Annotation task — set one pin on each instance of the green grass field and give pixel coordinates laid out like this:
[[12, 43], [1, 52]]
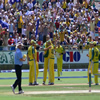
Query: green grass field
[[65, 84]]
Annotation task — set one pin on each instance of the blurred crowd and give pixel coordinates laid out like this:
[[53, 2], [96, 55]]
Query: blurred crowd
[[72, 23]]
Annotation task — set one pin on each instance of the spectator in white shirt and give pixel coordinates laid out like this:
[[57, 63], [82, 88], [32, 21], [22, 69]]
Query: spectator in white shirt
[[49, 5], [70, 4], [1, 5], [37, 5], [58, 4], [72, 40], [30, 5], [23, 31]]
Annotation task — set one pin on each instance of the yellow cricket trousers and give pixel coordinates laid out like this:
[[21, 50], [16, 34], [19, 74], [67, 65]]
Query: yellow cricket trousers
[[95, 72], [51, 70], [45, 69], [59, 64], [32, 75], [89, 69]]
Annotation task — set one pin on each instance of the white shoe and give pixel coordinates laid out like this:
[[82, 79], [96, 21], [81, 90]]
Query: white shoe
[[13, 89], [21, 92]]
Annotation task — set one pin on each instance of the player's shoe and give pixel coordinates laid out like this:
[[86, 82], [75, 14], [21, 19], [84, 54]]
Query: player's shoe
[[21, 92], [58, 78], [51, 84], [30, 84], [43, 83], [96, 84], [13, 90], [35, 83]]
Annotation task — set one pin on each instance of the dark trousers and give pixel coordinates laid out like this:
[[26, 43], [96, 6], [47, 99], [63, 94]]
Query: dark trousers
[[44, 38], [18, 75], [19, 31]]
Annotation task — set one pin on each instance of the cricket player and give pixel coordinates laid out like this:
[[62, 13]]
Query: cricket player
[[49, 62], [31, 58], [90, 55], [59, 50], [37, 66], [95, 60]]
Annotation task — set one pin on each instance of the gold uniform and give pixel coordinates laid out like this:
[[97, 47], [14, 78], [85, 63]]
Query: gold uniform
[[32, 75], [59, 59], [49, 64], [90, 64], [95, 59]]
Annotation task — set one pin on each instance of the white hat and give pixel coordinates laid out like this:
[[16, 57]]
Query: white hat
[[18, 44]]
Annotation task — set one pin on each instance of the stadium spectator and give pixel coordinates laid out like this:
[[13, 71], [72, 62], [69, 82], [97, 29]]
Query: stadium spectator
[[64, 5], [55, 17], [1, 5], [25, 43], [70, 4], [19, 7], [1, 41], [30, 5], [10, 40], [57, 24], [58, 4], [45, 32], [37, 5], [11, 28], [5, 40]]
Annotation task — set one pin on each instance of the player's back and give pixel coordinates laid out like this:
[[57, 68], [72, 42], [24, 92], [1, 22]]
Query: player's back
[[96, 54], [30, 52]]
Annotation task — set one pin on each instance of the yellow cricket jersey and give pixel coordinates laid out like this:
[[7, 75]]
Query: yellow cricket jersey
[[30, 52], [51, 52], [95, 54], [45, 46], [90, 53], [36, 54], [62, 35], [60, 49]]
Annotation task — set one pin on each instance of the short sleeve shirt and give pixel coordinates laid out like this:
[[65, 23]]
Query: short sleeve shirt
[[18, 56]]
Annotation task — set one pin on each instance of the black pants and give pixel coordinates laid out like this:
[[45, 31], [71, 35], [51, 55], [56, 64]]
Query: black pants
[[18, 75], [19, 31], [44, 38]]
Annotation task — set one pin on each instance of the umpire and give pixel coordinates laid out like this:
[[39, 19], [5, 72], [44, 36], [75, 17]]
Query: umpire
[[18, 62]]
